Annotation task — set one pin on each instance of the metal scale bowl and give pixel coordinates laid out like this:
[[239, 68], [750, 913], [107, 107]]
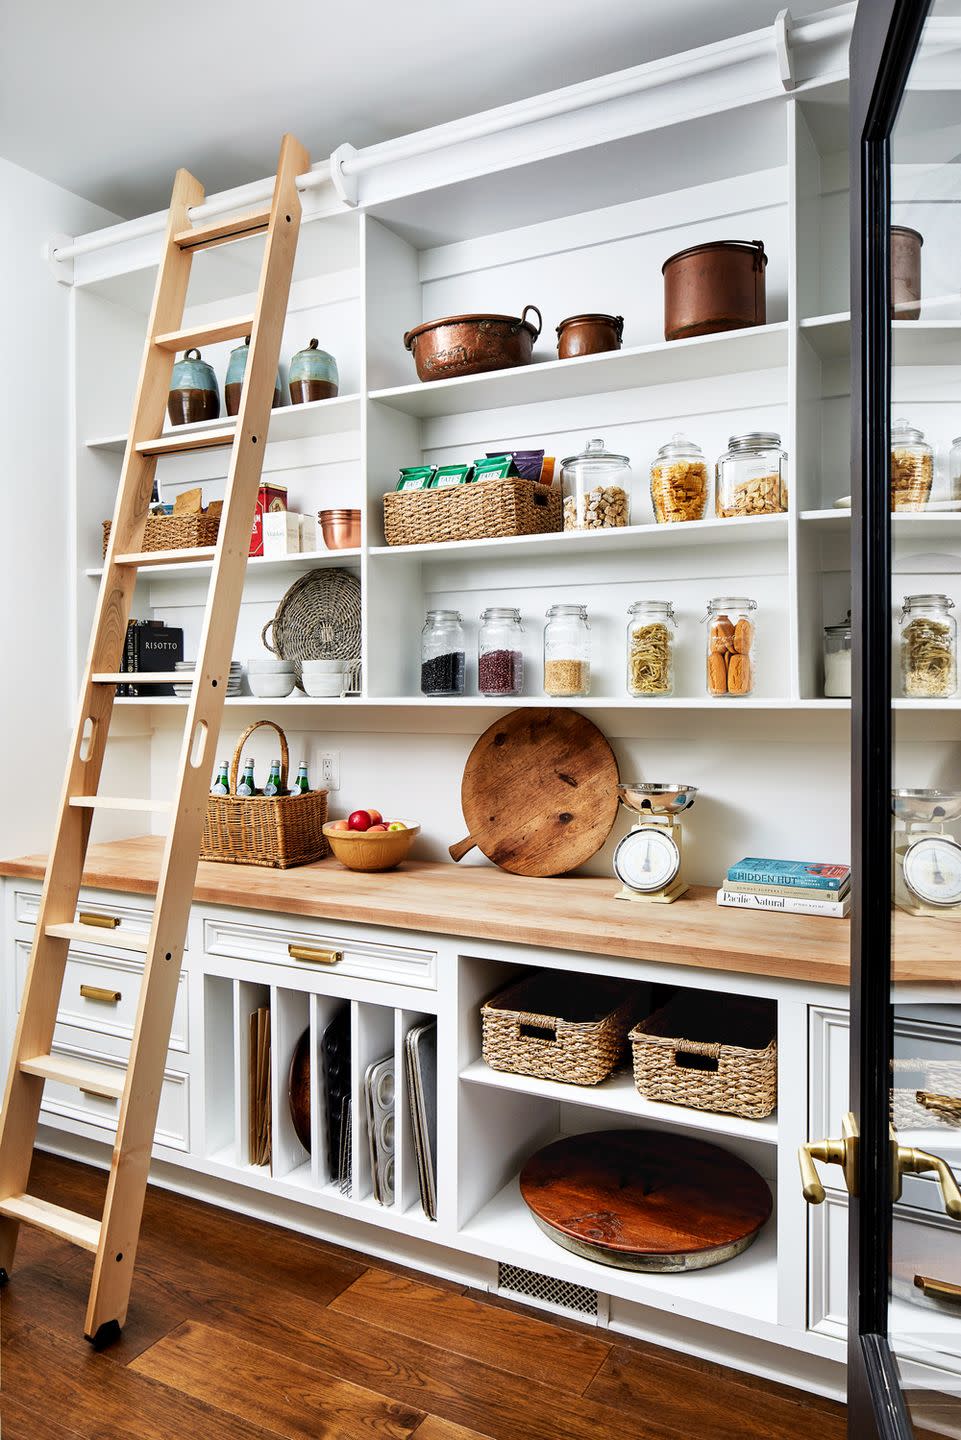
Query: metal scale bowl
[[927, 861], [647, 861]]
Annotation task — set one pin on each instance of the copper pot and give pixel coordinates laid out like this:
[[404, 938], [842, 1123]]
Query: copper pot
[[341, 529], [905, 273], [712, 287], [470, 344], [588, 335]]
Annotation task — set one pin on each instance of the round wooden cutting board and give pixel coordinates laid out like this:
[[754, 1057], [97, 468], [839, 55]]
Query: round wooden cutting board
[[539, 792], [645, 1199], [298, 1089]]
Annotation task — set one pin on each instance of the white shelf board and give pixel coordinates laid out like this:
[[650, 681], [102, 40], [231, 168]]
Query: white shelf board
[[925, 341], [620, 1095], [830, 335], [709, 532], [906, 524], [762, 347], [284, 567], [287, 422], [622, 703]]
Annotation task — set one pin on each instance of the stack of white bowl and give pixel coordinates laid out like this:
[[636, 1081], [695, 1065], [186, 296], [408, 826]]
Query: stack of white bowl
[[323, 679], [271, 678], [235, 679]]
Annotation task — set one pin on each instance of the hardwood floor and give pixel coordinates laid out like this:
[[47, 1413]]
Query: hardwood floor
[[241, 1331]]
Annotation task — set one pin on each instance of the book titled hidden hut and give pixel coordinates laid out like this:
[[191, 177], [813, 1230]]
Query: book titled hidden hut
[[150, 646], [791, 874]]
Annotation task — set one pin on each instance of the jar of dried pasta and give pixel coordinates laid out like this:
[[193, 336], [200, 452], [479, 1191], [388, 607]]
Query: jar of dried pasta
[[651, 632], [929, 647], [912, 467], [679, 481], [730, 645], [751, 476]]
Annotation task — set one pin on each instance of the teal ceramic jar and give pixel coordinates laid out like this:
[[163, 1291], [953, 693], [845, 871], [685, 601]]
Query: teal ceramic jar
[[313, 375], [193, 391], [234, 383]]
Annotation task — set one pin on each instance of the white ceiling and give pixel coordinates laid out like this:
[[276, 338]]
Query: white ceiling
[[109, 97]]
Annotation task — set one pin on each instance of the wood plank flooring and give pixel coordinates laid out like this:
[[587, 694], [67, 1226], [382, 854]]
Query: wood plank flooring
[[242, 1331]]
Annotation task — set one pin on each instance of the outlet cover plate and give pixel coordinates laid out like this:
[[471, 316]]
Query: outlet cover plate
[[330, 769]]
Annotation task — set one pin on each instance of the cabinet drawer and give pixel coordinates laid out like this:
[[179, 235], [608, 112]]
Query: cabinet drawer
[[335, 953], [101, 993], [135, 916], [173, 1116]]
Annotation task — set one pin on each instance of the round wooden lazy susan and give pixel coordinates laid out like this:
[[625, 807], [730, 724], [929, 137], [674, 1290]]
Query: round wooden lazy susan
[[645, 1200]]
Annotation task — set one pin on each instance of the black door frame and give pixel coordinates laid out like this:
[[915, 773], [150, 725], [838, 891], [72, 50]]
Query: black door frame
[[883, 45]]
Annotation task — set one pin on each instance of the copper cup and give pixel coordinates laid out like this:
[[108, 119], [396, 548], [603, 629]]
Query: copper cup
[[341, 529]]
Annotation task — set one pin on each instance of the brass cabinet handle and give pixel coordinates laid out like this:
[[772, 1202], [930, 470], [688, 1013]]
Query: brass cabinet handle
[[919, 1162], [319, 957], [102, 922], [843, 1152], [97, 992], [938, 1289], [951, 1104], [96, 1095]]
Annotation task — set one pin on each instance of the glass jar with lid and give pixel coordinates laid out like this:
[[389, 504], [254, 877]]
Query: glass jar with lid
[[651, 632], [442, 654], [730, 645], [837, 660], [679, 481], [912, 467], [928, 638], [567, 651], [954, 471], [597, 487], [500, 654], [751, 476]]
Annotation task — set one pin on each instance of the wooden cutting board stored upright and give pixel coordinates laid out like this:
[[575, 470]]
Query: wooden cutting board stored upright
[[539, 792]]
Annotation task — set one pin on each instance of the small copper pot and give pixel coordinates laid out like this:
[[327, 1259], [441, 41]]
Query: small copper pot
[[588, 335], [340, 528], [471, 344], [905, 273], [712, 287]]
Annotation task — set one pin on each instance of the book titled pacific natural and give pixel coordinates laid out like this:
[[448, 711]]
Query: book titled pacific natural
[[744, 900]]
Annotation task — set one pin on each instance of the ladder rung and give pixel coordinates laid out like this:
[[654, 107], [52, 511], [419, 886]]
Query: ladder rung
[[222, 231], [149, 558], [205, 334], [67, 1224], [119, 939], [144, 677], [105, 1080], [120, 802], [170, 444]]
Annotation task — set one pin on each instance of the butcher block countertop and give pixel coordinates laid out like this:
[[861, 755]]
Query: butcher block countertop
[[569, 913]]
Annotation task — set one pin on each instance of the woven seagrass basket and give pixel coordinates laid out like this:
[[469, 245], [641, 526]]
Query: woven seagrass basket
[[710, 1056], [319, 619], [559, 1027], [174, 532], [483, 510], [275, 831]]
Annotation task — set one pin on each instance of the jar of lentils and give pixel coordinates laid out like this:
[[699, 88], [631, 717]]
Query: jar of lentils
[[442, 654], [751, 476], [912, 467], [567, 651], [500, 656], [929, 647], [651, 631], [679, 481]]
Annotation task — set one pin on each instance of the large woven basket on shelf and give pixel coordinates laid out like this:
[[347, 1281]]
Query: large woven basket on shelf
[[695, 1051], [558, 1027], [483, 510], [318, 619], [274, 831], [174, 532]]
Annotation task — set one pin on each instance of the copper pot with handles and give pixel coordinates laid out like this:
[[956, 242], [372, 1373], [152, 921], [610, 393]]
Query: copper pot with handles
[[715, 286], [461, 345]]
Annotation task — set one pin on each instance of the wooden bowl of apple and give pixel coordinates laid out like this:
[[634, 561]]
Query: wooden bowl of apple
[[366, 841]]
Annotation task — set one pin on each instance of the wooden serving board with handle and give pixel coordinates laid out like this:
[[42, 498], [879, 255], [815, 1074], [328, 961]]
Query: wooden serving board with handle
[[539, 792]]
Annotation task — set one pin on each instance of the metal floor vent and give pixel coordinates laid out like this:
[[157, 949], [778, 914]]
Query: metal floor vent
[[547, 1292]]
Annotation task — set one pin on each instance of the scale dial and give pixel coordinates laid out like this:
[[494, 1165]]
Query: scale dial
[[647, 859], [932, 869]]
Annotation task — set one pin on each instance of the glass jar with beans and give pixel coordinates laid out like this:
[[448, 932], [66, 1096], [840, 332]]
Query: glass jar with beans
[[500, 654], [442, 654], [730, 646]]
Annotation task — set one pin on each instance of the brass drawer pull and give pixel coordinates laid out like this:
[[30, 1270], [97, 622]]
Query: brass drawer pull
[[102, 922], [320, 957], [949, 1104], [97, 992], [938, 1289], [96, 1095]]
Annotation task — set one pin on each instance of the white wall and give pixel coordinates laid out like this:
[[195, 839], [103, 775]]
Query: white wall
[[35, 424]]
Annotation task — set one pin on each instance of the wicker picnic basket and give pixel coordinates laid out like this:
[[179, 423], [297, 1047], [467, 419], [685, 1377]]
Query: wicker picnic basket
[[720, 1057], [174, 532], [274, 831], [571, 1028], [483, 510]]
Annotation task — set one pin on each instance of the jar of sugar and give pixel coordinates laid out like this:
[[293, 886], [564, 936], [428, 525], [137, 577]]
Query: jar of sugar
[[837, 660]]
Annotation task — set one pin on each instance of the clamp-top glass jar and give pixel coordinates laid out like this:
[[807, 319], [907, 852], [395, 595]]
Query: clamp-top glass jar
[[567, 651], [912, 467], [730, 645], [500, 654], [442, 656], [597, 486], [679, 481], [929, 647], [651, 632], [751, 476]]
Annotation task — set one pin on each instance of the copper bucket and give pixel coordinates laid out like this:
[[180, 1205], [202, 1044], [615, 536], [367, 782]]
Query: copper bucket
[[905, 273], [715, 286]]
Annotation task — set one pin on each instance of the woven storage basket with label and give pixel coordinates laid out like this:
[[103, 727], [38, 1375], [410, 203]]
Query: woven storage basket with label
[[712, 1055], [483, 510], [559, 1027], [275, 831], [174, 532]]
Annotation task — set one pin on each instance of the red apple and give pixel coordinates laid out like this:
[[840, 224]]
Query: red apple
[[359, 820], [376, 818], [338, 825], [381, 828], [397, 825]]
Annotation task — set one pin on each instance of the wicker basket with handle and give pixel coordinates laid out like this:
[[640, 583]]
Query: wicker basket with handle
[[483, 510], [174, 532], [695, 1051], [559, 1027], [274, 831]]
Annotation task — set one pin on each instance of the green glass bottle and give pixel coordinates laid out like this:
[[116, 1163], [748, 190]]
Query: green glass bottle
[[302, 784], [221, 785], [247, 786], [273, 786]]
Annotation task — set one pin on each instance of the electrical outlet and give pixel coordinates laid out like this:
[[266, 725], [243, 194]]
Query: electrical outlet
[[330, 770]]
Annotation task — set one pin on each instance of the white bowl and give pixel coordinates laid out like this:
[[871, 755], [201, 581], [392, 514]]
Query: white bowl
[[324, 687], [323, 667], [271, 687], [269, 665]]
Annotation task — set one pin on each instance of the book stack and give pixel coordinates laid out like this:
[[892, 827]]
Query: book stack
[[801, 886], [150, 645]]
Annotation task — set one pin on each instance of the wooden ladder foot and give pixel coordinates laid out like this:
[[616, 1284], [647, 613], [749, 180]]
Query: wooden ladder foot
[[107, 1334]]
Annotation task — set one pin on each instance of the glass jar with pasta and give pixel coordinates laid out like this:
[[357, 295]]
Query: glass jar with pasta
[[912, 467], [651, 632], [679, 481], [929, 647], [730, 646]]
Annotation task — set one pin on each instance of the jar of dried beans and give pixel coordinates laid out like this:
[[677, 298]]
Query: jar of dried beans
[[679, 481], [567, 651], [651, 632], [730, 645], [929, 647], [442, 654], [500, 655], [751, 476], [597, 486], [912, 467]]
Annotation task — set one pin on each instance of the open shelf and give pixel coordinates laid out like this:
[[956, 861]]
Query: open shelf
[[283, 566], [623, 703], [287, 422], [928, 341], [942, 525]]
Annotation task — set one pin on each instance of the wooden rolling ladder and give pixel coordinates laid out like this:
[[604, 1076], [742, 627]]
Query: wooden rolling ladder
[[113, 1238]]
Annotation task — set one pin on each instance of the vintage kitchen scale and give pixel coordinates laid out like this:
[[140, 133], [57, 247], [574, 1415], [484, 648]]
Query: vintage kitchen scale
[[647, 861], [927, 860]]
